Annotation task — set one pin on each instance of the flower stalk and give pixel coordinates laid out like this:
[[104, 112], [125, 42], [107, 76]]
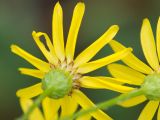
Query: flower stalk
[[37, 102], [107, 104]]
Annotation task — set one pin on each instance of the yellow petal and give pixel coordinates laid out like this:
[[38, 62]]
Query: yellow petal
[[73, 32], [50, 108], [158, 38], [32, 72], [131, 60], [30, 92], [91, 66], [92, 50], [126, 73], [43, 66], [95, 83], [57, 31], [134, 101], [50, 55], [113, 80], [68, 106], [36, 114], [85, 103], [158, 115], [148, 44], [85, 117], [149, 110]]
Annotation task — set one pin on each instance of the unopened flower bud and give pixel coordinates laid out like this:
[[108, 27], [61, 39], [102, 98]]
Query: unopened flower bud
[[60, 81], [151, 86]]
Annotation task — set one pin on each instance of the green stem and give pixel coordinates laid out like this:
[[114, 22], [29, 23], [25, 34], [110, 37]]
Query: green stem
[[107, 104], [35, 104]]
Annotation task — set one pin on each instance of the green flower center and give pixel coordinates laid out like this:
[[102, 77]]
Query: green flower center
[[151, 86], [59, 81]]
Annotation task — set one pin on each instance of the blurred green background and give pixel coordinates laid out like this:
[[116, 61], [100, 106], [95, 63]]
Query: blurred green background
[[18, 18]]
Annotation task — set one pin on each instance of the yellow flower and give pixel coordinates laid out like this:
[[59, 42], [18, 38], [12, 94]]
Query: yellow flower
[[48, 110], [138, 71], [36, 114], [62, 57]]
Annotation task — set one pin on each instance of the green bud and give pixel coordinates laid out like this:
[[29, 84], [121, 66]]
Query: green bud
[[151, 86], [60, 81]]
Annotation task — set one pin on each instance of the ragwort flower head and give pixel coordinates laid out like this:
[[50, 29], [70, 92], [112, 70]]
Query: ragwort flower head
[[61, 62], [141, 75]]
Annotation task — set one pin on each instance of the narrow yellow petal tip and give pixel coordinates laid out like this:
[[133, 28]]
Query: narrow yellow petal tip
[[33, 33], [17, 93], [58, 5], [115, 28], [145, 21], [13, 47], [81, 4], [20, 70], [145, 24]]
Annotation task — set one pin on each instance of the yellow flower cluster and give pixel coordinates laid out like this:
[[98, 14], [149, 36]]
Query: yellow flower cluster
[[136, 71], [62, 58]]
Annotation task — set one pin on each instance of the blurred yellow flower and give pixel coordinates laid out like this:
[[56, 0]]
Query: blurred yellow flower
[[138, 70], [36, 114], [62, 57]]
